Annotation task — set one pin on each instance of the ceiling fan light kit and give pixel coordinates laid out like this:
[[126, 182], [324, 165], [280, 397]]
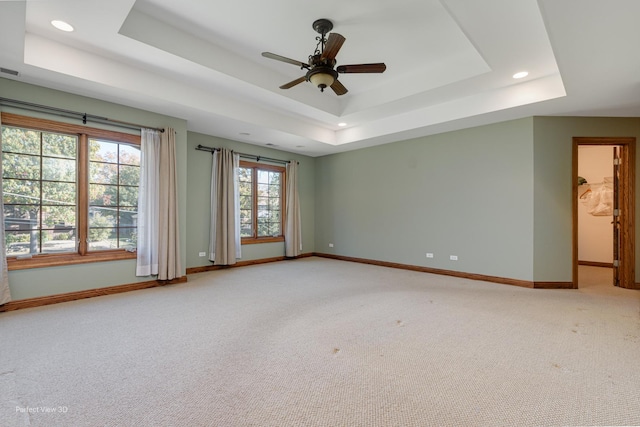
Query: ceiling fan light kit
[[320, 66], [322, 77]]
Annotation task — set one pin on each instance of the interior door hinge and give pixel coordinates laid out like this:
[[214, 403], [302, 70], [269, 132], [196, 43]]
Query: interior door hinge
[[617, 162], [616, 263], [616, 212]]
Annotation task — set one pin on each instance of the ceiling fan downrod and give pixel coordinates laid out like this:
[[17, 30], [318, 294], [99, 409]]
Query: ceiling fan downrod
[[321, 26]]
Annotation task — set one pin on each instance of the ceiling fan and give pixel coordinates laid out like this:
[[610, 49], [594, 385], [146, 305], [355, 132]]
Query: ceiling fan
[[320, 66]]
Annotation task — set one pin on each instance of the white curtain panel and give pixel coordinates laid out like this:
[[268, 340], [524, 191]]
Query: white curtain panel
[[158, 225], [148, 203], [169, 263], [293, 224], [224, 240], [5, 293]]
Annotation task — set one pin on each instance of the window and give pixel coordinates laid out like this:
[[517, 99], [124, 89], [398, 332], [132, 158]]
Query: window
[[40, 191], [261, 202], [114, 174], [70, 192]]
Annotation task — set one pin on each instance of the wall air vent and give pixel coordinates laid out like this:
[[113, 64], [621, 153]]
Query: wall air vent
[[8, 71]]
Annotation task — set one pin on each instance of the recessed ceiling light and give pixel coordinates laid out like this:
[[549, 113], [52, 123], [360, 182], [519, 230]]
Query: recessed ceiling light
[[521, 75], [61, 25], [343, 124]]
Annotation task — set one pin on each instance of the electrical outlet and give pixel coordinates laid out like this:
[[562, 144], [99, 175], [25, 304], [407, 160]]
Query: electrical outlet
[[453, 257], [202, 254], [330, 245], [429, 255]]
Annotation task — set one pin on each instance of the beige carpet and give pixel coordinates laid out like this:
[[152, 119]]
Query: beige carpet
[[318, 342]]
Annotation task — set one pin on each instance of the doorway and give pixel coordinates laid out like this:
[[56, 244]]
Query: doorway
[[620, 202]]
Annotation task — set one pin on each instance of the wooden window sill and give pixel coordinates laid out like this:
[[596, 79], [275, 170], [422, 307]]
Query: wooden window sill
[[54, 260], [253, 241]]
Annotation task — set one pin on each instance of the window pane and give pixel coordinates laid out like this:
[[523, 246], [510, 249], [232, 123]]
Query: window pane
[[60, 218], [268, 223], [20, 218], [128, 238], [275, 217], [245, 230], [103, 173], [245, 188], [57, 145], [128, 217], [263, 229], [129, 175], [58, 169], [263, 177], [263, 205], [58, 193], [274, 229], [264, 215], [103, 238], [263, 189], [17, 191], [103, 151], [16, 140], [55, 242], [102, 217], [245, 202], [129, 155], [20, 166], [128, 196], [22, 242], [103, 195], [244, 174], [274, 190]]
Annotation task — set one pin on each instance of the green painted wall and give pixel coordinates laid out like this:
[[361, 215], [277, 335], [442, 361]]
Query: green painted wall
[[466, 193], [198, 196], [552, 188], [56, 280], [498, 196]]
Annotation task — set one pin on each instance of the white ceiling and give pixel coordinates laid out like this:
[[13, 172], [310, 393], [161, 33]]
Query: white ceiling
[[449, 63]]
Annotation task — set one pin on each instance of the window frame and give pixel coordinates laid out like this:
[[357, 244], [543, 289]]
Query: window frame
[[254, 166], [84, 133]]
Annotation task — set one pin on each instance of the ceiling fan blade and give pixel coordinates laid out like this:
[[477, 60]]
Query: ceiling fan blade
[[285, 59], [338, 88], [293, 83], [362, 68], [334, 43]]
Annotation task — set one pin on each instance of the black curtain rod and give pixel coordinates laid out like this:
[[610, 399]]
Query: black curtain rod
[[71, 114], [246, 156]]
